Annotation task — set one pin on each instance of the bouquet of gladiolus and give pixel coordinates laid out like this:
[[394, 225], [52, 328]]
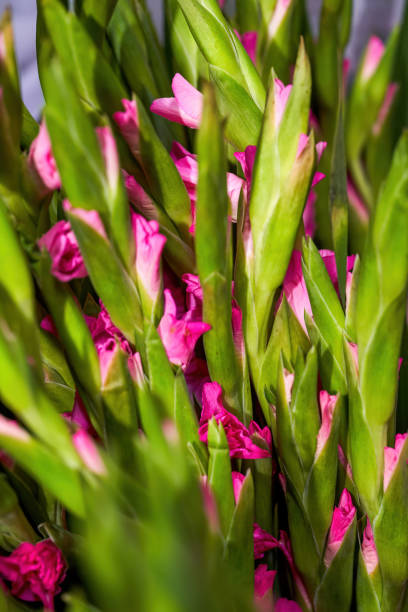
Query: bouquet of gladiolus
[[203, 332]]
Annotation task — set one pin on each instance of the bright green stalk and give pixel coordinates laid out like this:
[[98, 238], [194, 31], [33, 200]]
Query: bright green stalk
[[213, 252], [380, 318]]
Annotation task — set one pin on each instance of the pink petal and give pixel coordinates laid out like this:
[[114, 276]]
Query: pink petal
[[184, 108], [188, 97], [249, 41], [179, 336], [41, 160], [109, 154], [342, 520], [374, 52], [90, 217], [391, 458], [327, 407], [369, 550], [11, 429], [149, 247], [128, 124], [62, 246], [282, 94], [237, 483], [309, 217], [138, 197], [264, 580], [87, 450]]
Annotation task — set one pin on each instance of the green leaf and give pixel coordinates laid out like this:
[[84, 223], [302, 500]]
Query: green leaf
[[380, 309], [327, 311], [72, 329], [46, 467], [94, 78], [243, 117], [109, 278], [305, 410], [339, 204], [219, 474], [221, 47], [213, 255], [239, 547]]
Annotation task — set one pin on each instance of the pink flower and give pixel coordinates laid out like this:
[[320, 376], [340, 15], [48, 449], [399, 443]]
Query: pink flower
[[263, 541], [90, 217], [138, 197], [294, 286], [241, 440], [79, 416], [149, 247], [35, 572], [391, 458], [287, 605], [369, 550], [237, 332], [282, 94], [237, 483], [210, 505], [179, 335], [67, 262], [327, 407], [374, 52], [48, 325], [186, 106], [108, 339], [41, 160], [88, 451], [249, 41], [187, 166], [194, 294], [128, 124], [109, 154], [247, 161], [264, 580], [343, 517]]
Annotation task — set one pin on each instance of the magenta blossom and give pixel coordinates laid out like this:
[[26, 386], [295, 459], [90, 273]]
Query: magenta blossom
[[179, 335], [186, 106], [79, 416], [327, 407], [369, 550], [287, 605], [373, 55], [128, 124], [249, 41], [194, 294], [187, 166], [294, 286], [35, 572], [88, 451], [264, 580], [237, 484], [343, 517], [109, 155], [391, 458], [41, 161], [108, 339], [241, 441], [282, 93], [67, 262], [149, 247]]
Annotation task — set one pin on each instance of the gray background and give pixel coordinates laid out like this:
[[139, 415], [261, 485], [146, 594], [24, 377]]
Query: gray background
[[370, 17]]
